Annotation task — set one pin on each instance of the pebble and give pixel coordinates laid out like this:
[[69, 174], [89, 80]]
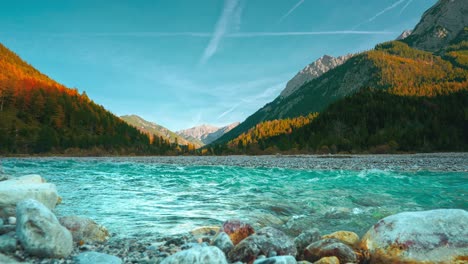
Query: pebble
[[12, 220]]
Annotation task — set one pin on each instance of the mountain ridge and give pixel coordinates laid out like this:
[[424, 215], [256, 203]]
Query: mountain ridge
[[418, 71], [206, 133]]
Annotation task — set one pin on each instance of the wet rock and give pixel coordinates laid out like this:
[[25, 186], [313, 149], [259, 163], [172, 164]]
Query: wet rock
[[349, 238], [304, 239], [197, 255], [7, 260], [7, 229], [328, 260], [223, 242], [263, 242], [330, 247], [8, 243], [12, 220], [27, 187], [92, 257], [436, 236], [237, 230], [277, 260], [84, 230], [40, 232]]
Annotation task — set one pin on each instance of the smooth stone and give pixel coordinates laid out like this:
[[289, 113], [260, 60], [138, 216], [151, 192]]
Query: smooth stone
[[92, 257], [8, 243], [304, 239], [197, 255], [436, 236], [12, 220], [328, 260], [40, 232], [347, 237], [277, 260], [237, 230], [223, 242], [205, 231], [263, 242], [14, 190], [330, 247], [7, 260], [84, 230]]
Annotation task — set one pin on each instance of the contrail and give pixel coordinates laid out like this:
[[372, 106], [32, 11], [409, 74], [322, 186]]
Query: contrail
[[386, 10], [407, 4], [230, 11], [305, 33], [291, 10]]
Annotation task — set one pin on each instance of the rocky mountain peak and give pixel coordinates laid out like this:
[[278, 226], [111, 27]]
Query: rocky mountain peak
[[405, 34], [206, 133], [440, 25], [312, 71]]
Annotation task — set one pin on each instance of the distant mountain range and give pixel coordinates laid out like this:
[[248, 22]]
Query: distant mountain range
[[431, 60], [206, 133], [158, 130], [197, 136]]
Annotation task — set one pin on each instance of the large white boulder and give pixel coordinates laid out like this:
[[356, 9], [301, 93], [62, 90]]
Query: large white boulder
[[14, 190], [40, 232], [437, 236]]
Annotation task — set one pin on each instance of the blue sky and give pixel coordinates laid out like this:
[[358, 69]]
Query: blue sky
[[182, 63]]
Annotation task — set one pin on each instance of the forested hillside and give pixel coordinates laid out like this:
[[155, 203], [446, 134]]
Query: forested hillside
[[38, 115], [374, 121]]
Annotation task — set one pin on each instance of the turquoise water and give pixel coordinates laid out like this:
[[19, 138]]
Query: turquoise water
[[144, 198]]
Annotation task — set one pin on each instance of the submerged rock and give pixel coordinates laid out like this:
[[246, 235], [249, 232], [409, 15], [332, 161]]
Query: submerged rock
[[40, 232], [237, 230], [347, 237], [330, 247], [277, 260], [7, 260], [84, 230], [436, 236], [8, 243], [93, 257], [197, 255], [14, 190], [265, 242], [304, 239], [223, 242]]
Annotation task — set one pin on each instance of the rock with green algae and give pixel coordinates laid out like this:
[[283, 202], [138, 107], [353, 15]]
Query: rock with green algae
[[436, 236]]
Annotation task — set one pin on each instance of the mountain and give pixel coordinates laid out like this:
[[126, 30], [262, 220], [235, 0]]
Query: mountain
[[159, 131], [404, 35], [206, 133], [369, 121], [312, 71], [395, 66], [440, 25], [39, 115]]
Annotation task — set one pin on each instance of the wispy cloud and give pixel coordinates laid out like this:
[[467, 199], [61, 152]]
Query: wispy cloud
[[230, 15], [385, 10], [266, 94], [291, 10], [405, 6]]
